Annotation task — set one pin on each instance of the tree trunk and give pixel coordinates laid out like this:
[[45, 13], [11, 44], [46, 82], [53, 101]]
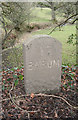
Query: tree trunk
[[77, 35], [53, 12]]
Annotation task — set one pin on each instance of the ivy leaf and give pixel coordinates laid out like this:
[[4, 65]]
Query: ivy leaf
[[72, 78], [4, 81], [71, 74], [21, 77], [16, 82], [72, 86], [15, 68], [69, 83], [3, 87], [12, 70], [63, 72], [8, 79], [73, 69], [15, 76], [65, 86]]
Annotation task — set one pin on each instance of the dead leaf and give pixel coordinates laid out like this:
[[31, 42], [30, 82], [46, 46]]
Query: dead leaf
[[32, 113], [32, 95], [56, 116]]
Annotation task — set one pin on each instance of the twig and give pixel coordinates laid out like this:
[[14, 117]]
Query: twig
[[59, 98], [16, 104], [63, 23], [46, 96], [14, 97], [36, 95], [29, 116]]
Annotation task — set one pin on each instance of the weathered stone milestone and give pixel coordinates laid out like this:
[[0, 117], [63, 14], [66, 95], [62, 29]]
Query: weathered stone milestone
[[42, 64]]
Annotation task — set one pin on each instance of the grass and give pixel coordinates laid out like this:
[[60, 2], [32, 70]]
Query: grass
[[41, 15], [44, 16], [68, 50]]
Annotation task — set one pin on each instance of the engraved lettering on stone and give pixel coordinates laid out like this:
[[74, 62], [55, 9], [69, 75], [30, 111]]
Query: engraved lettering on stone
[[42, 57], [30, 66], [36, 64], [43, 62], [54, 61], [49, 64]]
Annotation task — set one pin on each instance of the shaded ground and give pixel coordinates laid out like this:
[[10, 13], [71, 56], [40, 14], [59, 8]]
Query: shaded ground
[[17, 105], [22, 38], [32, 28]]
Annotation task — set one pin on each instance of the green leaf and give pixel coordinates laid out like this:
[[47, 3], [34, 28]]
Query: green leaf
[[72, 86], [15, 68], [73, 69], [62, 65], [71, 74], [16, 82], [63, 72], [21, 67], [3, 87], [69, 83], [4, 81], [21, 77], [65, 86], [12, 69], [8, 79], [72, 78], [15, 76]]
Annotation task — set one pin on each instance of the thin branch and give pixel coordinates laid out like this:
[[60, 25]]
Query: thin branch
[[45, 96], [2, 21], [59, 98], [7, 35], [63, 23], [74, 21], [17, 105]]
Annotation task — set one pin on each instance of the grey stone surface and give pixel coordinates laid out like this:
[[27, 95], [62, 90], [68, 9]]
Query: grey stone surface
[[42, 64]]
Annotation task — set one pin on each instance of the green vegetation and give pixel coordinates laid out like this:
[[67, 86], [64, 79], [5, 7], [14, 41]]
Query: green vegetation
[[68, 50], [41, 18], [41, 15]]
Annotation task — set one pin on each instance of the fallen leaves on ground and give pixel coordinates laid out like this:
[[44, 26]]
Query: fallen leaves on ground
[[46, 107]]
